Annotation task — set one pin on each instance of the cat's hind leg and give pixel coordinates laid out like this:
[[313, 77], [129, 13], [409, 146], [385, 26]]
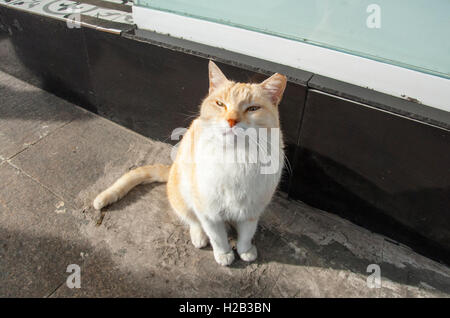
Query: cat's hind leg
[[198, 236], [187, 216]]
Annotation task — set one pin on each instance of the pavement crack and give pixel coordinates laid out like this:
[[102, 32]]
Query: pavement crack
[[275, 283], [38, 140], [35, 180], [54, 291]]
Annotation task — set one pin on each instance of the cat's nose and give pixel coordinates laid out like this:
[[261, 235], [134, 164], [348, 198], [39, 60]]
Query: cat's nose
[[232, 122]]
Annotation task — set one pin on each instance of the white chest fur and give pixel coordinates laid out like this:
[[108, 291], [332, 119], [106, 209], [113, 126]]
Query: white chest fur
[[233, 189]]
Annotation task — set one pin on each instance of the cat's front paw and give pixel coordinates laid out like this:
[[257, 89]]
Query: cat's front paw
[[224, 259], [250, 255]]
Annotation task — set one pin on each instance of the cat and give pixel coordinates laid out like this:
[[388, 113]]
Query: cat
[[206, 186]]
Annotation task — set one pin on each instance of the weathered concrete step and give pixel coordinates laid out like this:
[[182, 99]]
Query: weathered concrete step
[[46, 223]]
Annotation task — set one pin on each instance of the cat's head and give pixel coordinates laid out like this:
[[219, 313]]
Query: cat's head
[[230, 104]]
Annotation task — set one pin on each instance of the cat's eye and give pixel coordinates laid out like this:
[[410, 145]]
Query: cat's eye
[[220, 104], [252, 108]]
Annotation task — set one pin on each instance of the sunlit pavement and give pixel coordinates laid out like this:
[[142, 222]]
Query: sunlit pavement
[[54, 159]]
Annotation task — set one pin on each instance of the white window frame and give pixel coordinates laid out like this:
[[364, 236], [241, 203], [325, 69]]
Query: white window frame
[[397, 81]]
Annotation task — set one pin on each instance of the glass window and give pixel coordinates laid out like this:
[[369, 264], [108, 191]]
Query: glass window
[[410, 33]]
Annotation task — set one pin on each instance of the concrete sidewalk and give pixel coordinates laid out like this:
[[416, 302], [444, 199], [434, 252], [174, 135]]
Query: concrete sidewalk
[[54, 159]]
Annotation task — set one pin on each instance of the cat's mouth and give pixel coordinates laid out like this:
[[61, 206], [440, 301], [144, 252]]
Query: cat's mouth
[[234, 131], [228, 132]]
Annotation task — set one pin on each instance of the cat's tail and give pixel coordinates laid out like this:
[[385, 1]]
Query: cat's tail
[[145, 174]]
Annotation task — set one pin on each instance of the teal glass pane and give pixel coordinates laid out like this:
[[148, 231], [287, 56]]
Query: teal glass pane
[[412, 33]]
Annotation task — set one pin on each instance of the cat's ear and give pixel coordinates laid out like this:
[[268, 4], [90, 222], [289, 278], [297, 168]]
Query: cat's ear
[[216, 77], [274, 87]]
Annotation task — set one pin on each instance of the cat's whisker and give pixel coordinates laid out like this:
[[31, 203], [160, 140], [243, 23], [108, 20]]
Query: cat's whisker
[[191, 115], [260, 147], [288, 164]]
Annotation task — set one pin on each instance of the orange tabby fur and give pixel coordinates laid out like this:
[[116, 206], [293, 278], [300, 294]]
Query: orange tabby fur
[[235, 98]]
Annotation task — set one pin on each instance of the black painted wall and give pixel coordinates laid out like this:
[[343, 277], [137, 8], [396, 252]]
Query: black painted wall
[[153, 90], [46, 53], [381, 170], [350, 150]]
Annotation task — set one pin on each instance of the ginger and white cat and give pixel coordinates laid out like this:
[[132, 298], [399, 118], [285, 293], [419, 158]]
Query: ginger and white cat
[[206, 185]]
